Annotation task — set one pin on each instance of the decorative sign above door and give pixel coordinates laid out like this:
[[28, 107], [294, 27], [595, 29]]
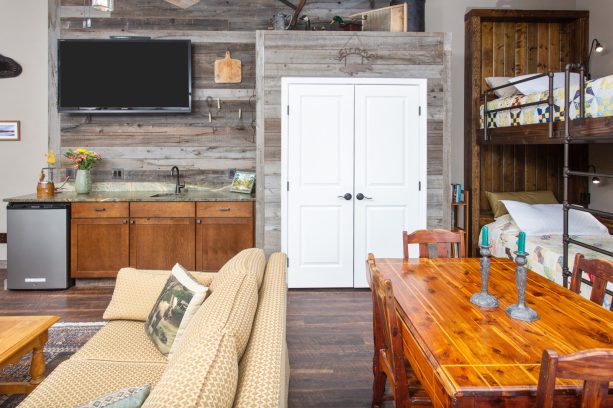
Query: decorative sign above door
[[9, 68]]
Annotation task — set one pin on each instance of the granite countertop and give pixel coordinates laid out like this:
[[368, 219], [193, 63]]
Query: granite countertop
[[106, 196]]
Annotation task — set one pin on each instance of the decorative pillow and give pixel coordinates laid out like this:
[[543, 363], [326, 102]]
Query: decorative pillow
[[137, 290], [528, 197], [547, 219], [176, 305], [495, 82], [131, 397], [541, 84]]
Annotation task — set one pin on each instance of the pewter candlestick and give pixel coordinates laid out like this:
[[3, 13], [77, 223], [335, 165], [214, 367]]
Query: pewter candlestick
[[520, 311], [483, 298]]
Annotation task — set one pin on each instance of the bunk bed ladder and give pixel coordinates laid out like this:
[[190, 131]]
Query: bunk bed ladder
[[567, 172]]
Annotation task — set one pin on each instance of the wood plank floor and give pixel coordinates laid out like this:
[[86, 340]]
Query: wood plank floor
[[329, 336]]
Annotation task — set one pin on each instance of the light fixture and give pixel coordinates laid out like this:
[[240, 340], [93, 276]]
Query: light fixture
[[595, 179], [103, 5], [596, 46]]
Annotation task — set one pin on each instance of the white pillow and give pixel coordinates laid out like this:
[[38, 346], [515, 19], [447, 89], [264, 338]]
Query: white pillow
[[495, 82], [541, 84], [547, 219]]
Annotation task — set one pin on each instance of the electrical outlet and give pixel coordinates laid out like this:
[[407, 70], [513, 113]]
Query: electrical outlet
[[117, 173], [231, 173], [70, 173]]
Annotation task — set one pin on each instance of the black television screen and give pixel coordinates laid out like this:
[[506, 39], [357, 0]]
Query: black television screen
[[109, 76]]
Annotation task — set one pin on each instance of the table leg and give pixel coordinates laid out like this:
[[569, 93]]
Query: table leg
[[37, 369]]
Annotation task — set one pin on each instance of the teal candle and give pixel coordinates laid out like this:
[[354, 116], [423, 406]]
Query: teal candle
[[521, 242], [485, 239]]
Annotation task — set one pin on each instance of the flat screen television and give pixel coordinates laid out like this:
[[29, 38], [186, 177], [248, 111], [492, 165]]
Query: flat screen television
[[124, 76]]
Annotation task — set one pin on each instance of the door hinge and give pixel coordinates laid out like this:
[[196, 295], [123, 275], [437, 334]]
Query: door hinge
[[287, 261], [288, 109], [288, 186], [420, 111], [419, 186]]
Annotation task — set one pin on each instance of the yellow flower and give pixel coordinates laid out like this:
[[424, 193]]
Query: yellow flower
[[80, 150]]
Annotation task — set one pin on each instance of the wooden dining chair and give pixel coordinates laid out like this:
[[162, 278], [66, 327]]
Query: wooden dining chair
[[602, 273], [389, 363], [448, 244], [594, 367]]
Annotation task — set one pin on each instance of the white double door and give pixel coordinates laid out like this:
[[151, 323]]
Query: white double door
[[354, 176]]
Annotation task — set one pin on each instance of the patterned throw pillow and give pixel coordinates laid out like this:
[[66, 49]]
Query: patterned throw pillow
[[180, 299], [131, 397]]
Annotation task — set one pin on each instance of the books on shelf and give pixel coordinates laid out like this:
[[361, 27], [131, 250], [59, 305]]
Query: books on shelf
[[457, 194]]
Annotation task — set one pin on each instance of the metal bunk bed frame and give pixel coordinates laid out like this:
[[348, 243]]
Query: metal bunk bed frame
[[567, 172], [568, 139]]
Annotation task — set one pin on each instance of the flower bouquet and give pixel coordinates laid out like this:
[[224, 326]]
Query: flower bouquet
[[82, 161]]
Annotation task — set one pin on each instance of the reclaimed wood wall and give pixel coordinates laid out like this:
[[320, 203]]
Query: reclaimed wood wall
[[394, 55], [147, 146]]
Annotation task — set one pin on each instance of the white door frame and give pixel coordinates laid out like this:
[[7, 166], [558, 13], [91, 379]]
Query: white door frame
[[423, 135]]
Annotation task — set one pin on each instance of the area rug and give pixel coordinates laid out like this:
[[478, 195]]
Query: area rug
[[64, 340]]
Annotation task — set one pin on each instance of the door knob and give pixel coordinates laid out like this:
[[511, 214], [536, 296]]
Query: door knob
[[361, 196], [347, 196]]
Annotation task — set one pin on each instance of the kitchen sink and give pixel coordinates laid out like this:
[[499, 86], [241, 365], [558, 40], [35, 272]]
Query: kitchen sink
[[168, 195]]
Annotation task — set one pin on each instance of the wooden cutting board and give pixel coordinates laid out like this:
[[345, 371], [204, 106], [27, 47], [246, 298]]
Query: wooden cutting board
[[228, 70]]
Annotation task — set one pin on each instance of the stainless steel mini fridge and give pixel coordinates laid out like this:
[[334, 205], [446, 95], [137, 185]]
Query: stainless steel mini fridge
[[38, 246]]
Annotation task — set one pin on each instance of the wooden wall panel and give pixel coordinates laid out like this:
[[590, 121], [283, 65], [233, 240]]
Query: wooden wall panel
[[396, 55]]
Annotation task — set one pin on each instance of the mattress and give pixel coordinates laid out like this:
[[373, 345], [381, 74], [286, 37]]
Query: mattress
[[545, 252], [598, 103]]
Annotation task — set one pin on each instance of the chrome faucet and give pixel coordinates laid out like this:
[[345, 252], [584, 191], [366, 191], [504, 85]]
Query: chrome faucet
[[175, 172]]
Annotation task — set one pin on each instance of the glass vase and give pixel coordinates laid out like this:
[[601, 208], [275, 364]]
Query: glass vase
[[83, 182]]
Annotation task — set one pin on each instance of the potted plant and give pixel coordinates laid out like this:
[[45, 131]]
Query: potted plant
[[82, 161]]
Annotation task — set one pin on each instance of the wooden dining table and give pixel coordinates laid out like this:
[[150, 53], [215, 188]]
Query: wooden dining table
[[467, 356]]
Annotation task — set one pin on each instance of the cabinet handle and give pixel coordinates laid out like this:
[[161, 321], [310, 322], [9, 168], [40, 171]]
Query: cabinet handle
[[198, 221], [124, 222], [99, 209], [132, 221], [224, 209]]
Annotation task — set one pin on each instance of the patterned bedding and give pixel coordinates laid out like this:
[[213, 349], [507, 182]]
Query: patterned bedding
[[598, 103], [545, 252]]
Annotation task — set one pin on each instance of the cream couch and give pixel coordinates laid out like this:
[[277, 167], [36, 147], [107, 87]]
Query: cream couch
[[233, 352]]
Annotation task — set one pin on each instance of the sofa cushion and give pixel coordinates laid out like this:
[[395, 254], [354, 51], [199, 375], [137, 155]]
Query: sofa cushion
[[251, 260], [131, 397], [203, 375], [264, 372], [176, 305], [121, 340], [137, 290], [75, 382]]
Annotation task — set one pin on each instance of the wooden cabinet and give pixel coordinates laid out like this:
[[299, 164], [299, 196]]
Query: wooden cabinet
[[156, 235], [222, 230], [100, 238]]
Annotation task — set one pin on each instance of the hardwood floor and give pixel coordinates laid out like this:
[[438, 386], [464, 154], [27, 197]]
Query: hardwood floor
[[329, 336]]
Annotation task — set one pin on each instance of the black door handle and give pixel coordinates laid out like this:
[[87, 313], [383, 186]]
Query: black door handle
[[347, 196], [361, 196]]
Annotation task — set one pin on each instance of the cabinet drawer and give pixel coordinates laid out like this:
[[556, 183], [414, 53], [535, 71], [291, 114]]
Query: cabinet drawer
[[162, 210], [224, 209], [100, 210]]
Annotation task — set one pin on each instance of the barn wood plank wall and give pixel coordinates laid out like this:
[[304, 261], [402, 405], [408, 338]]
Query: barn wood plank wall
[[400, 55], [147, 146], [510, 43]]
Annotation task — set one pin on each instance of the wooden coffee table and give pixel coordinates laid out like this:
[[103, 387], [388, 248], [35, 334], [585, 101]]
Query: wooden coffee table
[[20, 335]]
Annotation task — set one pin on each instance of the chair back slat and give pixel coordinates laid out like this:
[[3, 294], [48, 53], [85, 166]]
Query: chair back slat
[[447, 244], [601, 271], [594, 367]]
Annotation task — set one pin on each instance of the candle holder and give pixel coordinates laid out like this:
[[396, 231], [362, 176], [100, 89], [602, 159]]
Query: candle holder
[[520, 311], [483, 298]]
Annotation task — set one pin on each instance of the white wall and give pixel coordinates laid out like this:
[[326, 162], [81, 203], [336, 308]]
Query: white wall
[[23, 37], [448, 16], [601, 12]]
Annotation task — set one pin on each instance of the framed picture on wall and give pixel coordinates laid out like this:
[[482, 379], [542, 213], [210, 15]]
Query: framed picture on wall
[[9, 130]]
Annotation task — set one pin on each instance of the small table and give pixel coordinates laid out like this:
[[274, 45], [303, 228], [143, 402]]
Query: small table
[[20, 335], [467, 356]]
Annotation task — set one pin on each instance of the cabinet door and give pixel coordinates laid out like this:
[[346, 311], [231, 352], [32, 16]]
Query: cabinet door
[[159, 243], [219, 239], [99, 247]]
